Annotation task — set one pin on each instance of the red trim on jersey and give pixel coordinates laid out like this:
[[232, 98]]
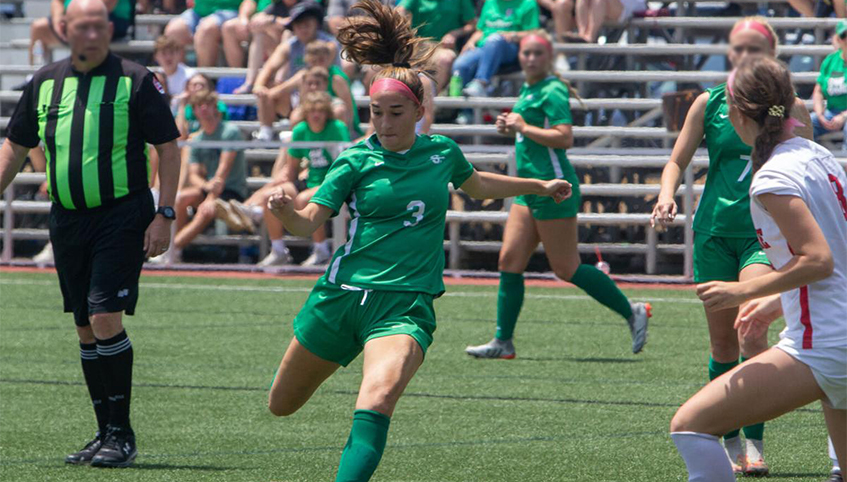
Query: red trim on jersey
[[805, 317]]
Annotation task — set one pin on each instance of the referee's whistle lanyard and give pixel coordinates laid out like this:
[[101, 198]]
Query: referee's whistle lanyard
[[365, 292]]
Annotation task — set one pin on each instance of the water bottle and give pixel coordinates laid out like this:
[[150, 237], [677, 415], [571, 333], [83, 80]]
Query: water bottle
[[455, 85], [38, 53]]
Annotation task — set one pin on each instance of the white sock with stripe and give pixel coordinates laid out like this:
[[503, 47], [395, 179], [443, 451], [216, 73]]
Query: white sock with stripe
[[704, 456], [832, 456]]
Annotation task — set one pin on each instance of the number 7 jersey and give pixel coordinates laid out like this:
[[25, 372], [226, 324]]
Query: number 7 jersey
[[816, 314], [398, 206]]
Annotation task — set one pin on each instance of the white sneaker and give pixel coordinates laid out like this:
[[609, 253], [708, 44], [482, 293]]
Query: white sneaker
[[262, 135], [562, 65], [45, 256], [475, 89], [162, 259], [318, 258], [641, 313], [495, 348], [254, 214], [276, 259]]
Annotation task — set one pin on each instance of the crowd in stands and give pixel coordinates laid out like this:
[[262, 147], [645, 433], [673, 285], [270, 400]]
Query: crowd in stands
[[295, 71]]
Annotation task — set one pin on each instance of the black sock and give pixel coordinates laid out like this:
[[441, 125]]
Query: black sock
[[115, 356], [93, 374]]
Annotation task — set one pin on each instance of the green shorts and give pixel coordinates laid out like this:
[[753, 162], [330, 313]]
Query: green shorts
[[335, 323], [544, 207], [718, 258]]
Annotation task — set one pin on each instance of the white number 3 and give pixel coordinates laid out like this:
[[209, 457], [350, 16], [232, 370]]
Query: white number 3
[[419, 207]]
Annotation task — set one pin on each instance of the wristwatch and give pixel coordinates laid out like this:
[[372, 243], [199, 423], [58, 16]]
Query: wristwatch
[[167, 211]]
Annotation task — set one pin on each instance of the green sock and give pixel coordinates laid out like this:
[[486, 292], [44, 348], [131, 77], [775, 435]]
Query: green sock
[[717, 369], [753, 432], [509, 303], [599, 286], [364, 446]]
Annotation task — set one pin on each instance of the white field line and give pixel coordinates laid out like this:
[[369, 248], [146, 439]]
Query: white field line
[[281, 289]]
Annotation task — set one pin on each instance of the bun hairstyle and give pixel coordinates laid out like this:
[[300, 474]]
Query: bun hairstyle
[[384, 37], [761, 89]]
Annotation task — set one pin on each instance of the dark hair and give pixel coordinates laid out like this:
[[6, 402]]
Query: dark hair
[[762, 90], [385, 37]]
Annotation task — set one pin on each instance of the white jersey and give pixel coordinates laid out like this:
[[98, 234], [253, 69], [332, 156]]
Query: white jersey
[[816, 314]]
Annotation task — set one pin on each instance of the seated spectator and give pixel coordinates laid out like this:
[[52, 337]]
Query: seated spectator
[[592, 14], [318, 126], [502, 24], [170, 55], [287, 60], [830, 95], [213, 173], [265, 30], [50, 31], [186, 122], [445, 22], [314, 79], [202, 26], [338, 11]]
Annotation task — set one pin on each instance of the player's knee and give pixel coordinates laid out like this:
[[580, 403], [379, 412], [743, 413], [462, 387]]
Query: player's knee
[[510, 262], [282, 406], [381, 396], [565, 271], [681, 421], [85, 334]]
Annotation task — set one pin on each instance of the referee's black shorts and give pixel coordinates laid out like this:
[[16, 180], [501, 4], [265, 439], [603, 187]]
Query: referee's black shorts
[[99, 253]]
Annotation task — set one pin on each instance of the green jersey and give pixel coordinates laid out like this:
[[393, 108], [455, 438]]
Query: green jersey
[[319, 158], [204, 8], [123, 9], [334, 71], [724, 208], [543, 104], [435, 18], [831, 81], [507, 16], [398, 203]]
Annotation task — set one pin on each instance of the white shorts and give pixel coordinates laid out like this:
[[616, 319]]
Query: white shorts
[[630, 7], [828, 365]]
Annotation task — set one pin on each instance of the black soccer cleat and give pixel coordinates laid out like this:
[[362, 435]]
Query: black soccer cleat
[[118, 449], [88, 452], [835, 477]]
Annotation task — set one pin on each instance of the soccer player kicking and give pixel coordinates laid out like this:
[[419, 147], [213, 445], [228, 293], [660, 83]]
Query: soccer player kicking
[[542, 127], [799, 211], [725, 244], [377, 294]]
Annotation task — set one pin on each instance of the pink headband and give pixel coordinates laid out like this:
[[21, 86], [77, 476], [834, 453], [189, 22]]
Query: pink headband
[[757, 26], [537, 38], [730, 81], [393, 85]]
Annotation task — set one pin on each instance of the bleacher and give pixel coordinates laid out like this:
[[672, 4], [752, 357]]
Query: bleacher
[[618, 157]]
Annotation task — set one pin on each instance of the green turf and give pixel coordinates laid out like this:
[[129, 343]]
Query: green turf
[[574, 406]]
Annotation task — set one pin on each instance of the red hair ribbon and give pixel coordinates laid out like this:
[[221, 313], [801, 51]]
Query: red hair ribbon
[[534, 37], [385, 84], [757, 26]]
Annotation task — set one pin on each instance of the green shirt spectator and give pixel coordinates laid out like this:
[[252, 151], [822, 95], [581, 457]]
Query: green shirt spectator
[[831, 81], [507, 16], [437, 18]]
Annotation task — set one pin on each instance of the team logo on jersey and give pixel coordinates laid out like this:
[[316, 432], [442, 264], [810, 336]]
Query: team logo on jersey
[[158, 85], [529, 97], [378, 163], [724, 116], [436, 159]]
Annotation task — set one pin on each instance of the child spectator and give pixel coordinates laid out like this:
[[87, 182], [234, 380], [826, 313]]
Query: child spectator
[[830, 95], [185, 119], [170, 54]]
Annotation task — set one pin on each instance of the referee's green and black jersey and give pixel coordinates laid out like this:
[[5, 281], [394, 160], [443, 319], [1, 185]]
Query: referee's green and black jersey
[[95, 128]]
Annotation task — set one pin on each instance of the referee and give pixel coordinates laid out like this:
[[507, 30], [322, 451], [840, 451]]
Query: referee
[[95, 113]]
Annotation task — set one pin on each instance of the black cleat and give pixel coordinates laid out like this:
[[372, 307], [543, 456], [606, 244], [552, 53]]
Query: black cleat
[[85, 455], [118, 449], [835, 477]]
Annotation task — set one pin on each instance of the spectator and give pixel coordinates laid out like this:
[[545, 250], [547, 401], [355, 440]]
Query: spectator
[[170, 54], [202, 26], [502, 24], [830, 95], [318, 126], [288, 58], [50, 31], [446, 22], [265, 30], [213, 173], [185, 119], [592, 14]]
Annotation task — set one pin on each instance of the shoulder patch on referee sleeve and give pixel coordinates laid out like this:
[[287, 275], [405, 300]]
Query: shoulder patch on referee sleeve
[[158, 85]]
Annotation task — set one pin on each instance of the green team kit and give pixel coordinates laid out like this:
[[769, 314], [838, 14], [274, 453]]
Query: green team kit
[[545, 104], [725, 240], [321, 158], [383, 280]]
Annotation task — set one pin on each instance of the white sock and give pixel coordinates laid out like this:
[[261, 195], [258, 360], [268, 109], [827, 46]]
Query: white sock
[[755, 450], [256, 213], [703, 455], [322, 248], [278, 246], [832, 456]]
